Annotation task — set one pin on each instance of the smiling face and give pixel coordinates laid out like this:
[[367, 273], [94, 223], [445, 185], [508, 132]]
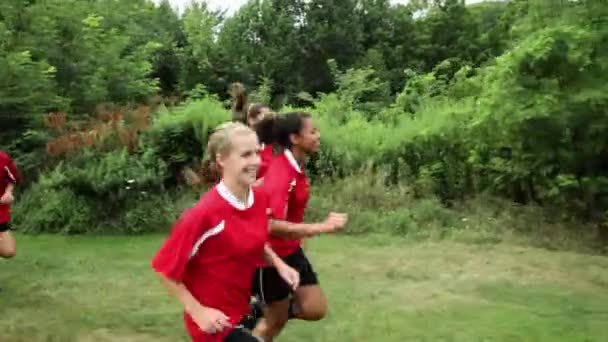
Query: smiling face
[[308, 139], [241, 160]]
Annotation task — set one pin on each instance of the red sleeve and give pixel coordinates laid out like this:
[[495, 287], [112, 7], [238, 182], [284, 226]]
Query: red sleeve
[[276, 185], [175, 252], [9, 168]]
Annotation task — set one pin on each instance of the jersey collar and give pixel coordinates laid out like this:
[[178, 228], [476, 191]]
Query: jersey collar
[[292, 160], [226, 194]]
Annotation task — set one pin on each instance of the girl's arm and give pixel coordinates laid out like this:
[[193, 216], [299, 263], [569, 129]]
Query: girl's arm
[[296, 230], [334, 222], [208, 319], [11, 174], [179, 291], [171, 260], [272, 258], [8, 197], [291, 276]]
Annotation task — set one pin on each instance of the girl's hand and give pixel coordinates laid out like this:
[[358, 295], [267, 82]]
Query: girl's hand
[[334, 223], [210, 320], [7, 198], [290, 275]]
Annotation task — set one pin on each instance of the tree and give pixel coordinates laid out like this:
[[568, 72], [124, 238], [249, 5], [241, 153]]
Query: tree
[[197, 55], [263, 40], [447, 31], [330, 31]]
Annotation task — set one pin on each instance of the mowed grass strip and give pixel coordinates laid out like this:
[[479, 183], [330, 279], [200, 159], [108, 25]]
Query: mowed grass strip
[[90, 288]]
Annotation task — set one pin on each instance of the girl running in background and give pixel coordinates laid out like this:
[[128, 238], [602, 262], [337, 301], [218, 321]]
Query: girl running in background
[[8, 180], [261, 119], [251, 115], [209, 259], [256, 116], [288, 189]]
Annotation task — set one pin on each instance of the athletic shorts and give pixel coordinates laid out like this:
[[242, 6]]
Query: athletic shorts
[[4, 227], [270, 287], [240, 335]]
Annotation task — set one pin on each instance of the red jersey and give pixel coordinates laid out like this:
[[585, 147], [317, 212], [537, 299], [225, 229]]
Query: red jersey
[[287, 189], [213, 249], [8, 174], [266, 157]]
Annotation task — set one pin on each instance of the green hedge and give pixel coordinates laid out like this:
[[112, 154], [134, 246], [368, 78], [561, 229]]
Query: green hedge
[[531, 127]]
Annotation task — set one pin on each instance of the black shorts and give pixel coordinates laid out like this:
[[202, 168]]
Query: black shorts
[[240, 335], [4, 227], [270, 287]]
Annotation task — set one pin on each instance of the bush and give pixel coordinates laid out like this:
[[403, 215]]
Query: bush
[[90, 190], [179, 137], [374, 207], [51, 210], [47, 209], [146, 214], [530, 127], [109, 187]]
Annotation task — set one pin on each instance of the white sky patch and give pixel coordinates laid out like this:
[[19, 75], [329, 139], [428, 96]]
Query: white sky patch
[[232, 5]]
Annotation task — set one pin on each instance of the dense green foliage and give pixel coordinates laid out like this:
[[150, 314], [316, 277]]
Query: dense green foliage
[[72, 55], [507, 98]]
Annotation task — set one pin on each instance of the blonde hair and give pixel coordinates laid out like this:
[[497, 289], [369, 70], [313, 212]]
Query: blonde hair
[[219, 143]]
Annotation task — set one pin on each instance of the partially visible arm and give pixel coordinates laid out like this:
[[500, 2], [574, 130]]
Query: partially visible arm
[[8, 197], [277, 188], [176, 250], [271, 257], [297, 230], [208, 319], [170, 262], [179, 291], [11, 175], [333, 223], [290, 275], [11, 171]]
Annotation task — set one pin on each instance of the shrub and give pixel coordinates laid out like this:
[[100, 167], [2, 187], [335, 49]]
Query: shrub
[[179, 137], [374, 207], [45, 208], [90, 190], [146, 213], [530, 127]]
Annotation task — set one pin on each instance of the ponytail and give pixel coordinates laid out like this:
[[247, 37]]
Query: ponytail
[[239, 102], [242, 110]]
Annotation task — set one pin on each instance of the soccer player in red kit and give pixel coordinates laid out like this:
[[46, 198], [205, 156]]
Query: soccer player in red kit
[[210, 257], [256, 116], [8, 180], [287, 186]]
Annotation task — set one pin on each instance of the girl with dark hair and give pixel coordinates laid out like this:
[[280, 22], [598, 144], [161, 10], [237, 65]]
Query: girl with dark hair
[[287, 188]]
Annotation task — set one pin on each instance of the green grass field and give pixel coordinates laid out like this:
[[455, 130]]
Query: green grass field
[[380, 289]]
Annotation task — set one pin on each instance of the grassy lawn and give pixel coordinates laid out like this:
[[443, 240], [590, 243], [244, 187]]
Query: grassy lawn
[[380, 289]]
